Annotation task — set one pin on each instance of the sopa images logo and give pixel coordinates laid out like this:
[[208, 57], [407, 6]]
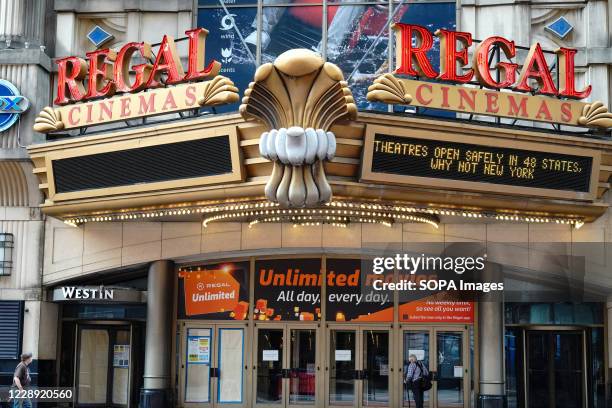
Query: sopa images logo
[[12, 104]]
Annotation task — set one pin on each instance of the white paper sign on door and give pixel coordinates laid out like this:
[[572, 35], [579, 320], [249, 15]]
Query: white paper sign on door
[[231, 360], [458, 371], [343, 355], [420, 354], [269, 355]]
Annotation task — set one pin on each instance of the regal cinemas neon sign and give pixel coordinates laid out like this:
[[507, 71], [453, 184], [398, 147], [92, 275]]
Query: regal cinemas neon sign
[[534, 95], [108, 71], [85, 88], [129, 83], [412, 60]]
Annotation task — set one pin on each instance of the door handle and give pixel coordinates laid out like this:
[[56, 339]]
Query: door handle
[[214, 372], [434, 375], [286, 372]]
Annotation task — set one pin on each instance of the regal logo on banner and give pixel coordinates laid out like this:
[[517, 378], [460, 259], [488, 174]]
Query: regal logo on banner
[[217, 291]]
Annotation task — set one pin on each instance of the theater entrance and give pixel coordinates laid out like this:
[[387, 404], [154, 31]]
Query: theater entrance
[[213, 367], [358, 367], [286, 367], [445, 351]]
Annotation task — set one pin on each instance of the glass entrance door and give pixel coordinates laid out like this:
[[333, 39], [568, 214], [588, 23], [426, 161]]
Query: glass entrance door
[[414, 342], [556, 369], [269, 367], [286, 366], [375, 368], [212, 361], [342, 370], [444, 351], [103, 374], [451, 369], [359, 368], [302, 365]]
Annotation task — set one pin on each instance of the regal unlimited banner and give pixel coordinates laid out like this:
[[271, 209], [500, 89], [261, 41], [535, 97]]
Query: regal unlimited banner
[[351, 296], [435, 309], [288, 289], [216, 292]]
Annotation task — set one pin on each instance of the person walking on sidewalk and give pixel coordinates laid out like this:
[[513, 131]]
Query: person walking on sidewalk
[[22, 380]]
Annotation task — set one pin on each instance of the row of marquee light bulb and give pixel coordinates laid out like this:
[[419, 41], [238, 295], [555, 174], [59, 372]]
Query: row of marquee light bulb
[[304, 222], [325, 216], [336, 213]]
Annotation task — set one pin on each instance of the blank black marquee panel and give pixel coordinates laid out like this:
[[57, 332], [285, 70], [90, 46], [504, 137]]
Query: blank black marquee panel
[[173, 161], [439, 159]]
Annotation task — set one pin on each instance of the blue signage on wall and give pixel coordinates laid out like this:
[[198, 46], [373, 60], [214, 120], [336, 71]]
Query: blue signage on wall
[[12, 104]]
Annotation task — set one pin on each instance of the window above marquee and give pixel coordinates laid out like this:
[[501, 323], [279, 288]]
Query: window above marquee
[[354, 35]]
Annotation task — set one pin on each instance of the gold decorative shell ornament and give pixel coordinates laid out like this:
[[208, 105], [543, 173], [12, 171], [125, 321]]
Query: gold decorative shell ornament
[[388, 89], [48, 120], [218, 91], [595, 114], [299, 97]]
